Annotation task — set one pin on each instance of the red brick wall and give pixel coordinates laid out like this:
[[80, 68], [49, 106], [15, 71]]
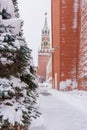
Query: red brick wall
[[65, 39], [42, 63], [55, 41], [82, 74], [69, 39]]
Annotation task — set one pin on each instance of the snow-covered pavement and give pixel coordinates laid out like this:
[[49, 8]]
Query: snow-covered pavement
[[61, 110]]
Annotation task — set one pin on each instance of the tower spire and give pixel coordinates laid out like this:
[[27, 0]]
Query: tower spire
[[45, 23], [45, 41]]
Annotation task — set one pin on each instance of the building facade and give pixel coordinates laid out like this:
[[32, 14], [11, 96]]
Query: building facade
[[65, 43], [82, 72], [44, 53]]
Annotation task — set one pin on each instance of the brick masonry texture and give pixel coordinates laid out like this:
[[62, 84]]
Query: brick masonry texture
[[82, 72], [65, 40]]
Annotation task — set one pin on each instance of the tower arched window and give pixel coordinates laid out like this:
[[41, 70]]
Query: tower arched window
[[48, 32], [42, 31], [45, 31]]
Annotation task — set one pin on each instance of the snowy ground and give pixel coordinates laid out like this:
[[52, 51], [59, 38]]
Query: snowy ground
[[61, 110]]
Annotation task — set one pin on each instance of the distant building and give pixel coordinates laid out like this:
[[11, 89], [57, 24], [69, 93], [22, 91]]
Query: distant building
[[44, 53]]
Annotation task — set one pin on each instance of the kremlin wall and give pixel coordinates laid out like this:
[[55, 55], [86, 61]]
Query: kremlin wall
[[66, 60]]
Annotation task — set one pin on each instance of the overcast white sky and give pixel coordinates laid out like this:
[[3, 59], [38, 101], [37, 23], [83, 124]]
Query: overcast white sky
[[32, 12]]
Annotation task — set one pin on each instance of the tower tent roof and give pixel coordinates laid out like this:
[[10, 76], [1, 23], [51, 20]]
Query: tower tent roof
[[45, 23]]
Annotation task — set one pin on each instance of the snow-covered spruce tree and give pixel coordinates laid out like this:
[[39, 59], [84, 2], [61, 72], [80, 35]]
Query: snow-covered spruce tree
[[17, 81], [15, 2]]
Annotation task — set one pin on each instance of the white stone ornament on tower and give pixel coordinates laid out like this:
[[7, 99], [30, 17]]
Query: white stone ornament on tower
[[8, 19], [45, 41]]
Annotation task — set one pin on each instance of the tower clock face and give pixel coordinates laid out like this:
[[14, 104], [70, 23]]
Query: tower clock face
[[45, 43]]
